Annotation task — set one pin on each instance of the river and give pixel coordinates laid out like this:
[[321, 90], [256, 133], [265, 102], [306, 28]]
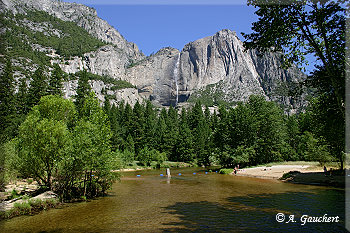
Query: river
[[192, 202]]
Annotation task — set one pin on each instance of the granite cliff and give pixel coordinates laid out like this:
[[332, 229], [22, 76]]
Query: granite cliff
[[215, 68]]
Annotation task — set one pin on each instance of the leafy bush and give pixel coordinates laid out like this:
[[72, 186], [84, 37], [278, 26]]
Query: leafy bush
[[146, 156], [287, 175], [30, 206], [22, 208], [14, 194], [314, 149], [226, 170]]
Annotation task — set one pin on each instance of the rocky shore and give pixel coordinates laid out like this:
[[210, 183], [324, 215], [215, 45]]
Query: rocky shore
[[22, 193]]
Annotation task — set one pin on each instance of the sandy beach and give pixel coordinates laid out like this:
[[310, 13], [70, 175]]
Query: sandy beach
[[274, 172], [300, 174]]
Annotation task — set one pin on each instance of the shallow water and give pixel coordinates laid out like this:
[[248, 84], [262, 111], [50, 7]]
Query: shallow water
[[200, 203]]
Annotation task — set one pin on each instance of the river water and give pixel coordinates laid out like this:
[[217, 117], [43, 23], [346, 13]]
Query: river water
[[192, 203]]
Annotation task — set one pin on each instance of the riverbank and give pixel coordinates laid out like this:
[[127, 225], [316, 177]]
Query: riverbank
[[23, 197], [298, 174]]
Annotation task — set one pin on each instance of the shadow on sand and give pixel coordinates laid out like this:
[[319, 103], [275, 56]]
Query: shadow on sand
[[333, 179]]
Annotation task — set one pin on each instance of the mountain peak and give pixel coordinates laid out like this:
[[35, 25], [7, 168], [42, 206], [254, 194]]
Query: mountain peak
[[168, 51]]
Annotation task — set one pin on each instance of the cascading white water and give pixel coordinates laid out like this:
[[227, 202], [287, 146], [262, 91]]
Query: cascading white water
[[176, 77]]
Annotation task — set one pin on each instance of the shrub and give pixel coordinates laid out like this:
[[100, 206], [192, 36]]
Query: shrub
[[288, 175], [30, 206], [14, 194], [226, 171], [22, 208]]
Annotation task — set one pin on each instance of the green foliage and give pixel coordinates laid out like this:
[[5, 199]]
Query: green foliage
[[147, 156], [10, 161], [41, 145], [22, 98], [30, 181], [73, 41], [7, 102], [287, 175], [314, 149], [56, 108], [83, 90], [185, 148], [90, 158], [243, 155], [14, 194], [38, 87], [226, 170], [309, 27], [252, 133], [210, 95], [127, 158], [113, 82], [56, 81], [299, 28], [121, 84], [29, 207], [62, 153]]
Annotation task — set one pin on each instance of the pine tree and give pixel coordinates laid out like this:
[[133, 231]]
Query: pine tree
[[83, 90], [116, 139], [202, 143], [38, 87], [196, 115], [138, 126], [221, 133], [126, 121], [21, 96], [150, 124], [171, 133], [161, 130], [7, 100], [107, 106], [56, 81], [185, 145], [129, 144], [270, 130]]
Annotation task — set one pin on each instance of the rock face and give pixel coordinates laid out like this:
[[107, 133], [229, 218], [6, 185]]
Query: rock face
[[155, 76], [218, 62], [220, 58], [84, 16], [216, 67], [107, 60]]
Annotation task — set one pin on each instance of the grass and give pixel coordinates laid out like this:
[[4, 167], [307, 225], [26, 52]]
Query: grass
[[29, 207], [226, 170], [288, 175], [30, 181], [14, 194]]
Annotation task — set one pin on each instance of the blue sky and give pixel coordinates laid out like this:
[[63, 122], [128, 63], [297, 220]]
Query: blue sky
[[153, 26]]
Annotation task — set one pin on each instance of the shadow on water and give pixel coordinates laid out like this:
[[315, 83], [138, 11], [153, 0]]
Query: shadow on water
[[257, 213]]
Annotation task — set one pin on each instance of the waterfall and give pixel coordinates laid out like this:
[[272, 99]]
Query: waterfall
[[176, 77]]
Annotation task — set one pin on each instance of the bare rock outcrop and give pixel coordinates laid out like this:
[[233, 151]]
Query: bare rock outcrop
[[215, 67], [84, 16], [218, 64]]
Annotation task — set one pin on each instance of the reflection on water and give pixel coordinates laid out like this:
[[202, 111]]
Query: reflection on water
[[200, 203]]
